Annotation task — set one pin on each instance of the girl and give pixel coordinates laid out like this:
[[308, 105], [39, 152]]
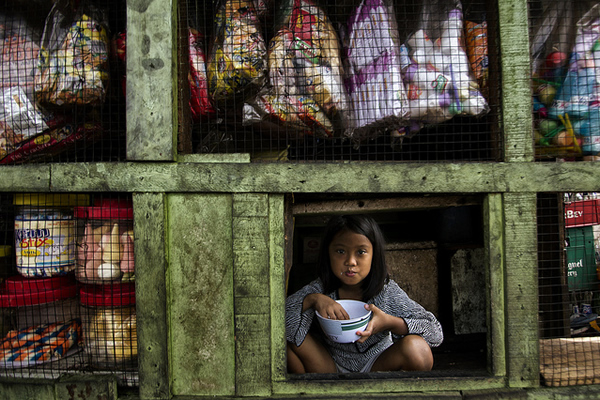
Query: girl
[[352, 266]]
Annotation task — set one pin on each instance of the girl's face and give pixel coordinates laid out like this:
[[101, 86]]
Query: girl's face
[[350, 255]]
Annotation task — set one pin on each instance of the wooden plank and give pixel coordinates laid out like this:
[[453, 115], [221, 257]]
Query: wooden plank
[[251, 286], [151, 118], [385, 204], [25, 178], [515, 65], [521, 289], [200, 276], [279, 228], [325, 178], [151, 294], [493, 217]]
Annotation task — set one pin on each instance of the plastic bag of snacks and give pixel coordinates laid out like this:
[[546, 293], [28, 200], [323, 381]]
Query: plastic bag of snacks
[[437, 71], [200, 104], [374, 82], [73, 67], [237, 62], [20, 117], [306, 92], [574, 114]]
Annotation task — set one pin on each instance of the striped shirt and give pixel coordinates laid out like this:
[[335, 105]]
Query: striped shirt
[[391, 300]]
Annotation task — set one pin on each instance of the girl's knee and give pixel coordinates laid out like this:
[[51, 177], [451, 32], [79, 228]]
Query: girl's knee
[[418, 354]]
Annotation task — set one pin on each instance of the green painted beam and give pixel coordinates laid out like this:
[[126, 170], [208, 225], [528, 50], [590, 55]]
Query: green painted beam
[[25, 178], [517, 118], [494, 246], [323, 178], [151, 294], [200, 295], [251, 294], [521, 290], [151, 80]]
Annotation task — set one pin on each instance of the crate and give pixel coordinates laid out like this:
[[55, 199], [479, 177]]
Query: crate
[[582, 213]]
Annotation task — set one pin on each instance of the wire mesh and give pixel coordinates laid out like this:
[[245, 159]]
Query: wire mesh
[[564, 48], [304, 80], [569, 292], [61, 81], [67, 292]]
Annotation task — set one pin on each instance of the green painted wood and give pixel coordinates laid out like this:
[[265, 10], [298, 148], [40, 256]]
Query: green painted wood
[[151, 80], [277, 245], [200, 295], [515, 84], [151, 294], [521, 289], [334, 388], [27, 389], [251, 293], [319, 178], [25, 178], [494, 247], [86, 387]]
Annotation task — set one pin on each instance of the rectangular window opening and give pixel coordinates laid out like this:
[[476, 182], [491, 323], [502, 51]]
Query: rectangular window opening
[[434, 251]]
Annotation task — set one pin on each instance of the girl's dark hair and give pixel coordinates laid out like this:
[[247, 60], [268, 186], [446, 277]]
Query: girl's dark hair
[[363, 225]]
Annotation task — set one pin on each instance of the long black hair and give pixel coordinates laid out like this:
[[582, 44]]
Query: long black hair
[[363, 225]]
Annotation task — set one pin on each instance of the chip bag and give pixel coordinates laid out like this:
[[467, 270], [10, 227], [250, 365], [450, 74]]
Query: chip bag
[[237, 61], [73, 65]]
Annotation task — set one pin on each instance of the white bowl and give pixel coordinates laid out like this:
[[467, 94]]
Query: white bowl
[[344, 331]]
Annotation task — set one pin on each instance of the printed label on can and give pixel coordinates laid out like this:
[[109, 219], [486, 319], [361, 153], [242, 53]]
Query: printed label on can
[[45, 247]]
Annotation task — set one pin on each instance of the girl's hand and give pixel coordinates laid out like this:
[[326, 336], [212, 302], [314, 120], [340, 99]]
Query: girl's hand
[[326, 306], [381, 321]]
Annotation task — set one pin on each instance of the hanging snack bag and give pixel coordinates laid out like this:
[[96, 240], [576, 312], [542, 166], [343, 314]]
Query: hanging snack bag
[[73, 67], [437, 72], [577, 101], [374, 80], [306, 92], [477, 51], [237, 61], [20, 117], [200, 104]]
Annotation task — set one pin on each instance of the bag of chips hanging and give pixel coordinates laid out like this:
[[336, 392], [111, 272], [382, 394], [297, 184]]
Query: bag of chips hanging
[[200, 104], [73, 65], [306, 93], [237, 61]]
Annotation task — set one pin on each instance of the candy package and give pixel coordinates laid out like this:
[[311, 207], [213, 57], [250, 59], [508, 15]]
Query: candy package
[[237, 61], [306, 91], [374, 80], [436, 68], [73, 65], [20, 119]]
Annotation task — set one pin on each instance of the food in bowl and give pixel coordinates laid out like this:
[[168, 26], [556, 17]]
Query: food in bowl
[[344, 330]]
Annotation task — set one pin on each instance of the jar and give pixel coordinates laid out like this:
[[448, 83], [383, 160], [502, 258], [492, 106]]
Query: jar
[[45, 233], [105, 242], [109, 326], [39, 309]]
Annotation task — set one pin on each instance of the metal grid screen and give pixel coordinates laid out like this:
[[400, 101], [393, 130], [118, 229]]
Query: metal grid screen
[[62, 81], [569, 292], [308, 80], [67, 291], [564, 50]]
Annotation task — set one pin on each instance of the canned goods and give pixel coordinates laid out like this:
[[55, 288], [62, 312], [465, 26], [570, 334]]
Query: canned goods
[[45, 233]]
